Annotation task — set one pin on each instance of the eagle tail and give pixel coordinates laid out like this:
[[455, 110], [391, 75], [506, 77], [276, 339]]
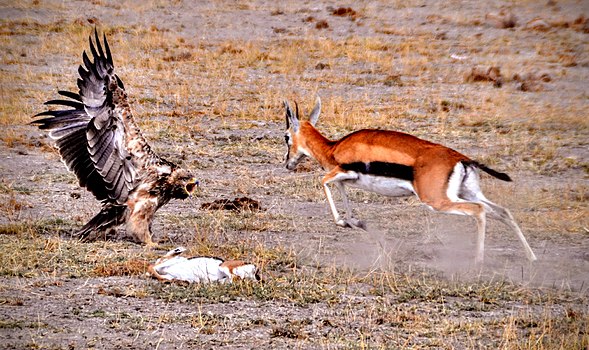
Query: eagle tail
[[109, 216]]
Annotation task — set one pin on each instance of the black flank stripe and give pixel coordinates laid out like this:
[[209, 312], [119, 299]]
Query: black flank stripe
[[398, 171]]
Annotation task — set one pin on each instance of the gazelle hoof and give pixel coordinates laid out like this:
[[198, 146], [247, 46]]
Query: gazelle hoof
[[355, 223], [351, 223], [342, 223], [532, 258]]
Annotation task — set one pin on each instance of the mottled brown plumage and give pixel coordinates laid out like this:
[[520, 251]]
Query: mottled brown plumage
[[101, 144]]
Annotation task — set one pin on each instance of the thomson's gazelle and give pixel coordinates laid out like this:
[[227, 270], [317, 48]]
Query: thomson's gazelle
[[397, 164], [173, 267]]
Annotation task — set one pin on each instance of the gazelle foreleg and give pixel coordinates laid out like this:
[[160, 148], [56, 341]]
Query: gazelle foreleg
[[349, 219], [338, 177]]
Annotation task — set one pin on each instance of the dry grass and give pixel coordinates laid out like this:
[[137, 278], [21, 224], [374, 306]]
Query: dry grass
[[415, 308]]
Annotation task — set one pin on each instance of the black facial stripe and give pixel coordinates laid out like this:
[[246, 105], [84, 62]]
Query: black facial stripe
[[398, 171]]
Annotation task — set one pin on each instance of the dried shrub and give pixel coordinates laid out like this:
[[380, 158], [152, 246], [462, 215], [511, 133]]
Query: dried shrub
[[531, 81], [230, 49], [183, 56], [501, 20], [322, 24], [11, 301], [531, 86], [345, 12], [492, 74], [538, 24], [288, 332], [393, 80], [391, 31], [238, 204], [446, 105], [92, 20], [441, 36], [580, 24], [568, 60], [545, 77]]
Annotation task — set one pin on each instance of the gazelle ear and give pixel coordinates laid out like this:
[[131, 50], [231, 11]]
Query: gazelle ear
[[315, 112], [291, 118], [175, 251]]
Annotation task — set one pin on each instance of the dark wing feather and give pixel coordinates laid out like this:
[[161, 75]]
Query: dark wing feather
[[106, 135], [70, 94], [68, 128], [90, 133], [69, 103], [59, 120]]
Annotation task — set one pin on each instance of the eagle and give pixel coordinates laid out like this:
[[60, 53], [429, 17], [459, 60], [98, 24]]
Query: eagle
[[100, 142]]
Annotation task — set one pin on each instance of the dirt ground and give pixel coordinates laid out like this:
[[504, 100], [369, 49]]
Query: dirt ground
[[234, 154]]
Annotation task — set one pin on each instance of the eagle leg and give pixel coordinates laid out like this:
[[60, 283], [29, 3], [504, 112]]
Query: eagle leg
[[140, 219]]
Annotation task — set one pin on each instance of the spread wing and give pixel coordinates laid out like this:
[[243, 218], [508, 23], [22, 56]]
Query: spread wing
[[92, 135]]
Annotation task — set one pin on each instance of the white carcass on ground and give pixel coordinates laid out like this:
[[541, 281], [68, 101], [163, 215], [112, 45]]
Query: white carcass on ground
[[173, 267]]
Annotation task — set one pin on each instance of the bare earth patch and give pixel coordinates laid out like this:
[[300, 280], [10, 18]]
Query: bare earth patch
[[207, 81]]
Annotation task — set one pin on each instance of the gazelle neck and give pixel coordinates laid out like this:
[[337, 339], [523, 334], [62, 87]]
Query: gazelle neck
[[318, 146]]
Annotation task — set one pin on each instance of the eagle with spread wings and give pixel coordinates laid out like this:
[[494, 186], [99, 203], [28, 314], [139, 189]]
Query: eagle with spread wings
[[99, 141]]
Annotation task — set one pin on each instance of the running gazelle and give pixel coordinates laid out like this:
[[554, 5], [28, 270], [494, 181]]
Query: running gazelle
[[396, 164]]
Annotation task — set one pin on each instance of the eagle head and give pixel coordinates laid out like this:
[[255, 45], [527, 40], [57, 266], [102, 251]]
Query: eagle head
[[183, 183]]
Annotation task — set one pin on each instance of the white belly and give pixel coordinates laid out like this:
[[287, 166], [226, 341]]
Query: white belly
[[191, 270], [386, 186]]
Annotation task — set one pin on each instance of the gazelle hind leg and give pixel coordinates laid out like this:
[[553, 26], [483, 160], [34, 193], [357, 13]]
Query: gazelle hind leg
[[471, 191], [473, 209], [504, 215], [500, 213], [441, 191]]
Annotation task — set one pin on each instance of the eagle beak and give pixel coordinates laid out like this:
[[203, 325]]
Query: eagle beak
[[191, 186]]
